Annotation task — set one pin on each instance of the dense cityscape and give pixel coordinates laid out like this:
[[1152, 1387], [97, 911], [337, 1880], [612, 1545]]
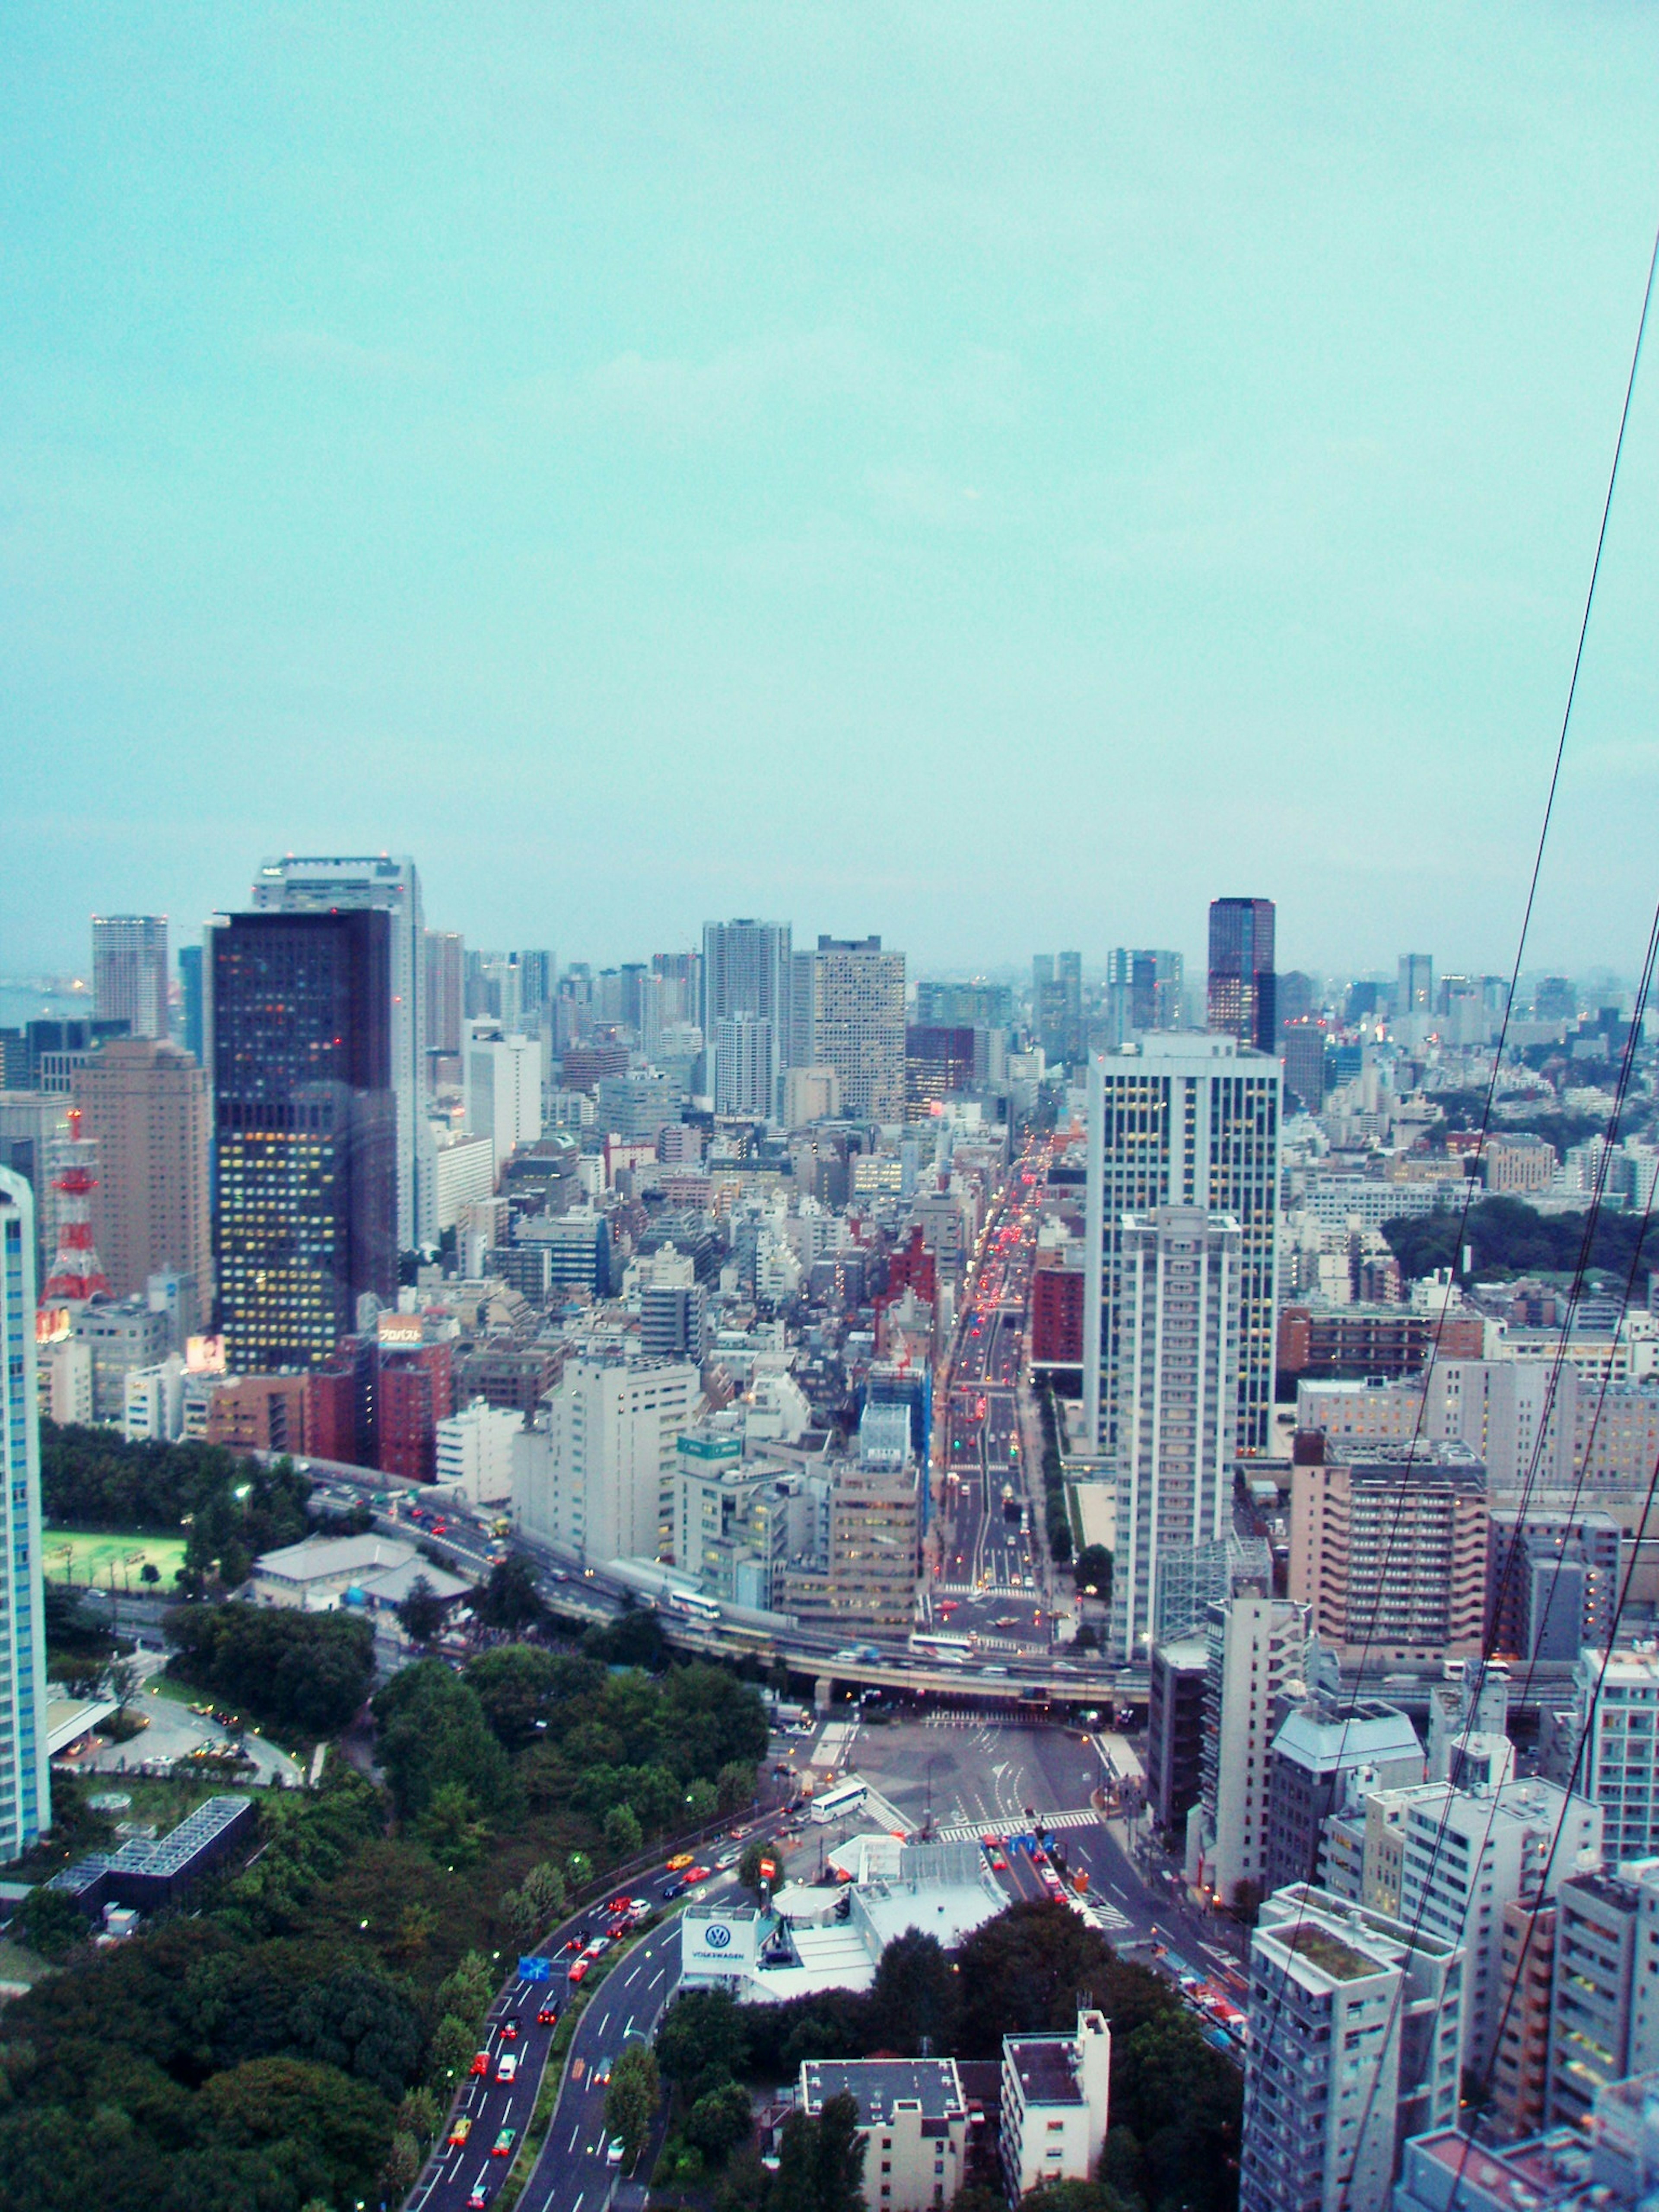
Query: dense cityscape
[[1072, 1547]]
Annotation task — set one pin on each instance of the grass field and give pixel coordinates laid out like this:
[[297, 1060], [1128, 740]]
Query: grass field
[[111, 1559]]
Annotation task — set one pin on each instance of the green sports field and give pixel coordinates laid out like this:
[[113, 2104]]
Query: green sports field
[[109, 1558]]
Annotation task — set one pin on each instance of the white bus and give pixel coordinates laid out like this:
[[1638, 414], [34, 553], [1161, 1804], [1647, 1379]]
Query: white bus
[[954, 1650], [835, 1804], [693, 1604]]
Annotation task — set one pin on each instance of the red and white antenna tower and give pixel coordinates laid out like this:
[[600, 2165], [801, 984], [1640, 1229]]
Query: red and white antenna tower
[[77, 1272]]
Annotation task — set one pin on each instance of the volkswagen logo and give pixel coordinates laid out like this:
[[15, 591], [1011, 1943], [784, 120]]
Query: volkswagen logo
[[717, 1937]]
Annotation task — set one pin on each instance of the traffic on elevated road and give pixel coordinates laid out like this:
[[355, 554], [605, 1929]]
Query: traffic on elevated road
[[991, 1592]]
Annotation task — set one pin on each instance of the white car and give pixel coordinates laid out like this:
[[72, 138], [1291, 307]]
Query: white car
[[613, 2151]]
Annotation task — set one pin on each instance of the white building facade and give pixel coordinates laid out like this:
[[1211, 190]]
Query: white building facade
[[25, 1775], [1190, 1121], [595, 1477], [1176, 1298]]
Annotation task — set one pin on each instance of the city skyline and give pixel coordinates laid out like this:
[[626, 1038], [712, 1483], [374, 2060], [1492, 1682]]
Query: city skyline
[[1203, 462]]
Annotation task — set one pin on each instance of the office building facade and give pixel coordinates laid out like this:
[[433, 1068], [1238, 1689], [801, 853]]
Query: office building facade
[[1242, 1000], [306, 1126], [848, 1015], [390, 884], [1193, 1123]]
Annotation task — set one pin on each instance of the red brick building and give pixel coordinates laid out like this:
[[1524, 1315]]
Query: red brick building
[[1056, 1312], [417, 1391]]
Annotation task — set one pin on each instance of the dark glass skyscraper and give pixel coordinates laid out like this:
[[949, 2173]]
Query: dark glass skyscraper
[[1243, 993], [306, 1219]]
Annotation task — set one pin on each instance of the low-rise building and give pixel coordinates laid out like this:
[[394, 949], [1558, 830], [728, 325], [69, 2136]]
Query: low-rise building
[[1055, 2093], [475, 1452], [912, 2122], [324, 1573]]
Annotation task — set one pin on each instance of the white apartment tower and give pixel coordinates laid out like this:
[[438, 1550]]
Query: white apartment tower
[[1353, 2046], [746, 1060], [25, 1775], [747, 969], [389, 883], [1176, 1294], [1184, 1121], [595, 1477], [1257, 1646]]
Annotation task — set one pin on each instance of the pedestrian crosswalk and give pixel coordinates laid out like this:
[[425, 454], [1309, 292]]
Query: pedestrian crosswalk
[[1083, 1816]]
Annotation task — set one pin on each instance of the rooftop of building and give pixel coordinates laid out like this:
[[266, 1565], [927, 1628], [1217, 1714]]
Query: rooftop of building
[[1328, 1953], [1322, 1733], [1433, 1454], [321, 1557], [1545, 2171], [1045, 2066], [878, 2085]]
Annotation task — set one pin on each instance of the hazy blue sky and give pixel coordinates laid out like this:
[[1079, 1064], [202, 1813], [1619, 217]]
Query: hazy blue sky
[[996, 476]]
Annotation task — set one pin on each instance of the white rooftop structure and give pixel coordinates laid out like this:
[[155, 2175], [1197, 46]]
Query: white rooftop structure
[[322, 1573], [799, 1945]]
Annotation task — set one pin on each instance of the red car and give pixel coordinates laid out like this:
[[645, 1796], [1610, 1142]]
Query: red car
[[695, 1875], [480, 2062], [578, 1972], [619, 1905]]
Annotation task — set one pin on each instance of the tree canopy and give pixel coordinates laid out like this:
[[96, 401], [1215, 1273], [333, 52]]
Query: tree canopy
[[309, 1671]]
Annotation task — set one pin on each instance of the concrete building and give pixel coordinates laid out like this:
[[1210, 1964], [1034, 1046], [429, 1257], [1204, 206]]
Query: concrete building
[[144, 1104], [1518, 1162], [475, 1452], [811, 1093], [1320, 1746], [1175, 1297], [848, 1014], [1256, 1650], [1354, 2023], [595, 1476], [1591, 2012], [913, 2121], [1521, 2061], [1188, 1121], [464, 1175], [153, 1408], [122, 1336], [1470, 1852], [1553, 1582], [503, 1074], [874, 1534], [25, 1774], [1055, 2105], [1389, 1549], [129, 980], [65, 1373], [445, 991], [1175, 1730], [386, 883], [1615, 1709], [745, 1058]]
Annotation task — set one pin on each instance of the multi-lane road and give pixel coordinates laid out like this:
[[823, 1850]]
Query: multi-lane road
[[992, 1583], [573, 2172]]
